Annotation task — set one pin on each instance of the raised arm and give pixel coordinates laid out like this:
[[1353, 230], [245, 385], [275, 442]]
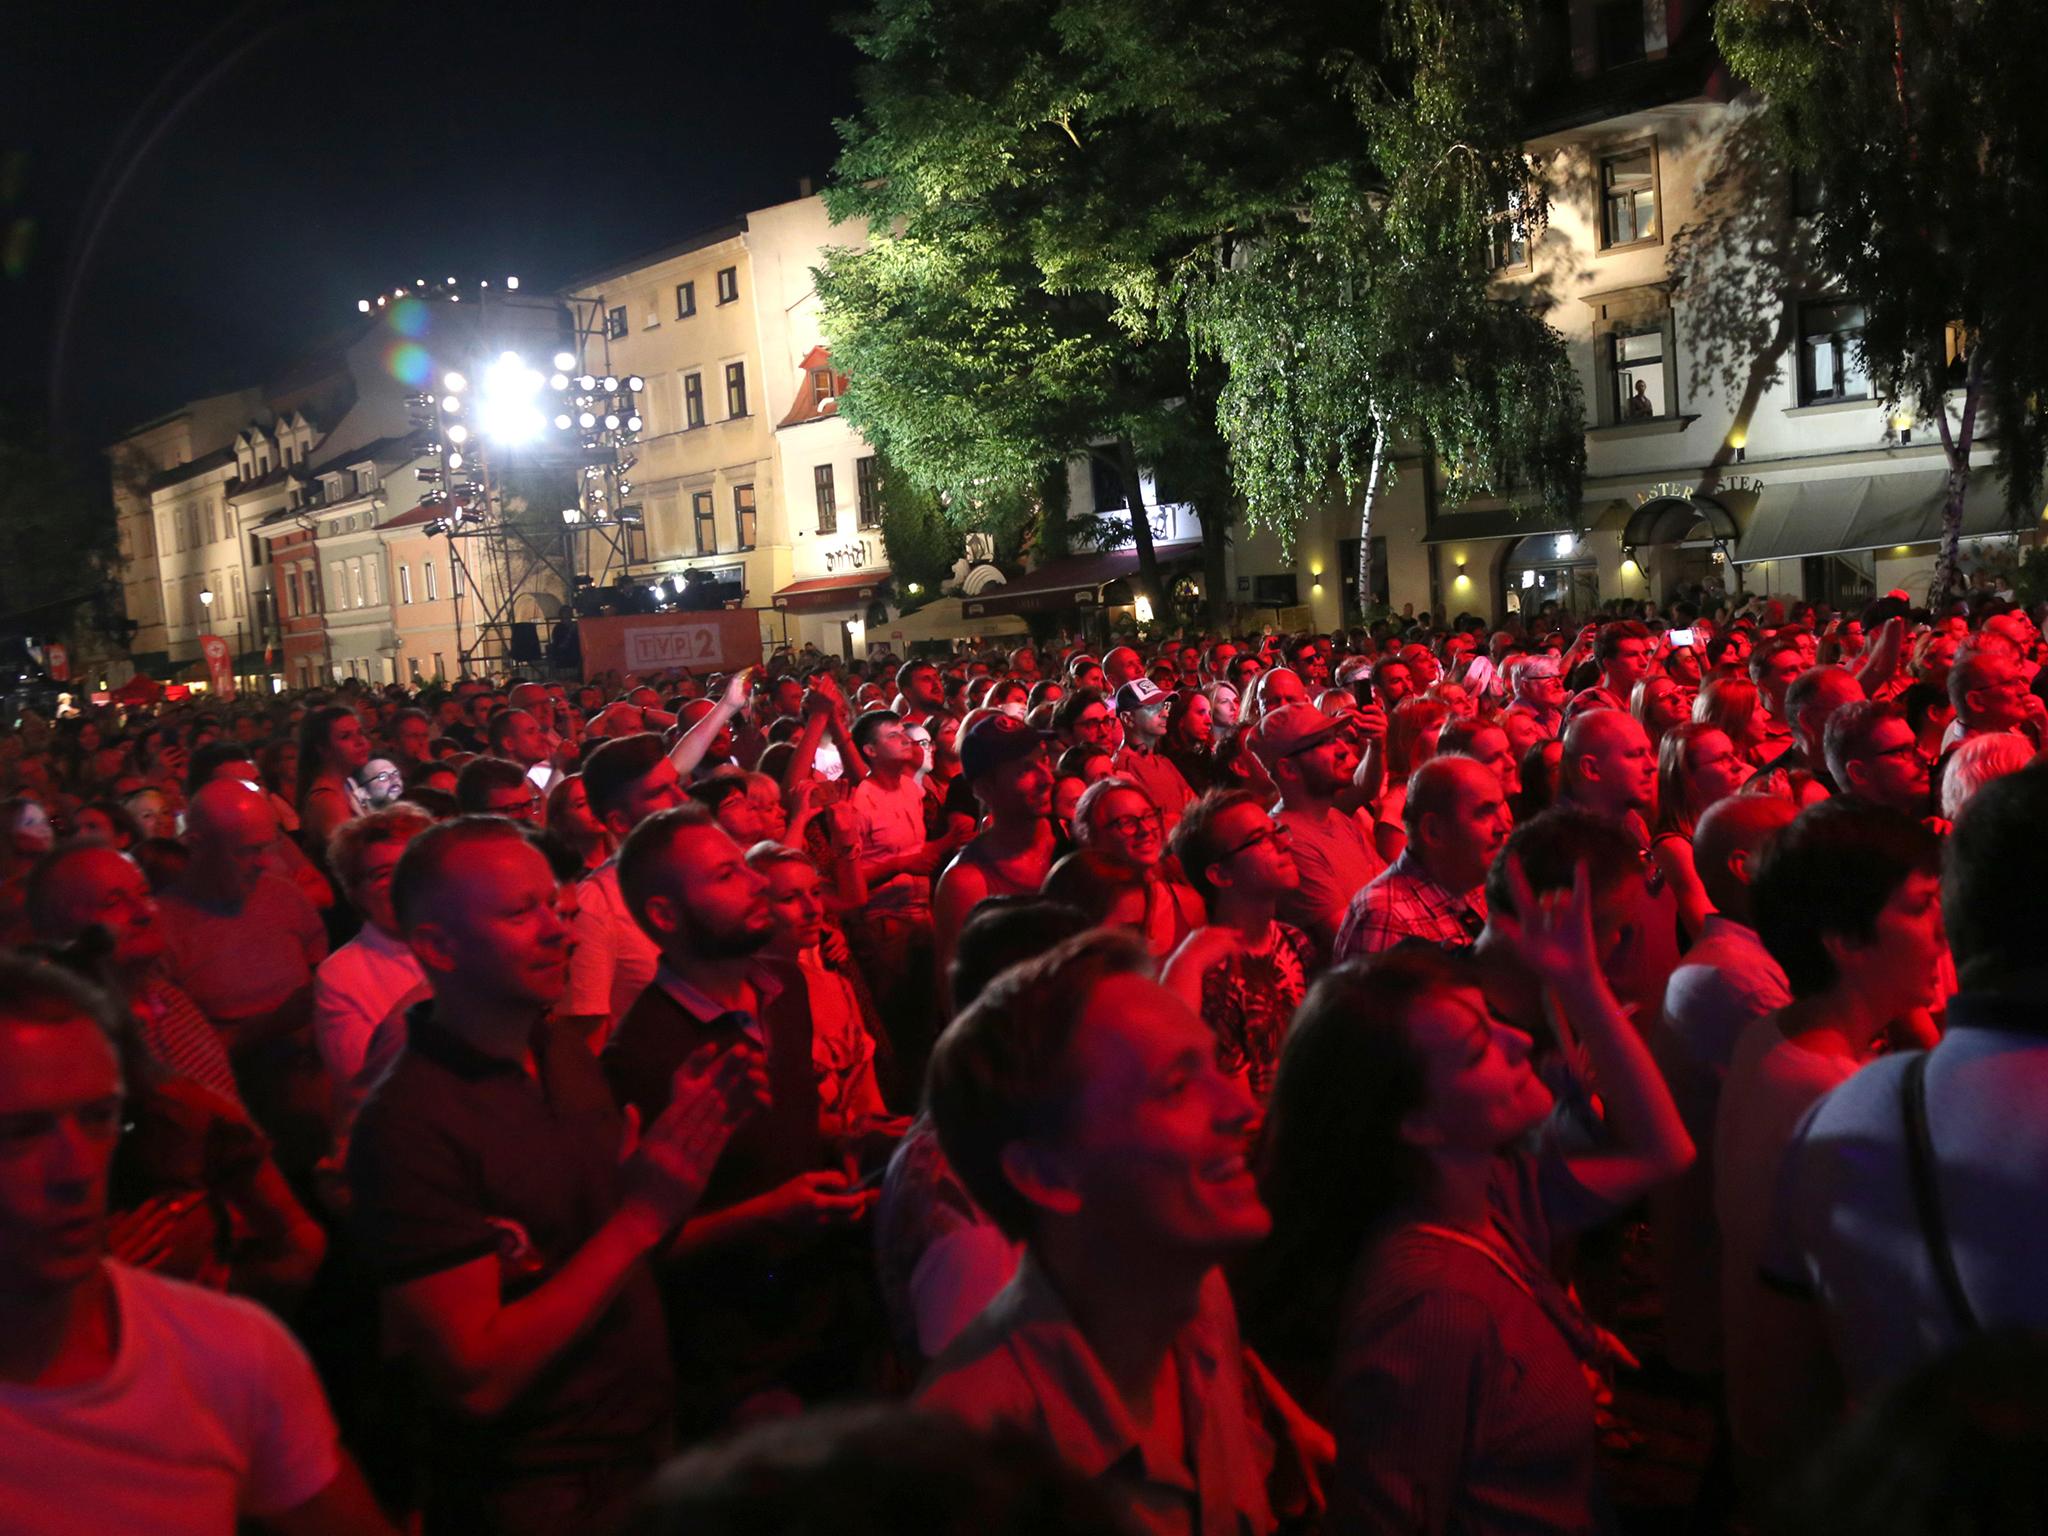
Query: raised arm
[[696, 741]]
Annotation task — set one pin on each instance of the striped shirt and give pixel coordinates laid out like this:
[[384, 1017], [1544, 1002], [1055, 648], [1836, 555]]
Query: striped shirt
[[182, 1040]]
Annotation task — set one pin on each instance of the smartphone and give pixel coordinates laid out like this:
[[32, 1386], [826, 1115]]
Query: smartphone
[[1679, 637]]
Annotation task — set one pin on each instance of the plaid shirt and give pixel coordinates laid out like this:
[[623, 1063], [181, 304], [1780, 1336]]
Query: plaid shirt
[[1405, 903]]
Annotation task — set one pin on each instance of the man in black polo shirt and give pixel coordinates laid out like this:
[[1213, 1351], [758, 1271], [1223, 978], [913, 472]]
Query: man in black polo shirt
[[773, 1289], [494, 1210]]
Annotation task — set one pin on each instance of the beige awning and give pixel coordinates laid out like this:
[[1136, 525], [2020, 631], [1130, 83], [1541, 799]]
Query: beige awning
[[1862, 512]]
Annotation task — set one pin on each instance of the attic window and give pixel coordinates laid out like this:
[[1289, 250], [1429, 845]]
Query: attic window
[[822, 387]]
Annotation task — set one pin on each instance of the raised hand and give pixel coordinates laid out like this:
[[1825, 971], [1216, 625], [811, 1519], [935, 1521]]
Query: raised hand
[[1551, 934]]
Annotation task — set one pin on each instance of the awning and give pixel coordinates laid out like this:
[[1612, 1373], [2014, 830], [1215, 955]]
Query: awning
[[822, 594], [1668, 519], [1862, 512], [1073, 581], [1496, 523]]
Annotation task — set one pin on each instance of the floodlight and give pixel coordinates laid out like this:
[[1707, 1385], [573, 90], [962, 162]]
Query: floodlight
[[572, 515], [506, 412], [635, 383], [562, 422], [458, 433], [586, 382], [633, 423], [454, 383], [565, 361], [455, 461], [451, 404], [362, 306], [611, 421], [558, 382], [511, 282], [586, 420], [611, 384]]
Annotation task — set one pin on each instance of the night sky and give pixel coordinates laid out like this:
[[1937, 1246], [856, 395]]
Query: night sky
[[210, 188]]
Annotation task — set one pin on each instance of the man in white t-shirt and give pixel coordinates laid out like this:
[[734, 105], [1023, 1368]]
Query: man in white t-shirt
[[130, 1402]]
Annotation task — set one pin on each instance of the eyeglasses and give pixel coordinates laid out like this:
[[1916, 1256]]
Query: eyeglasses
[[1279, 834], [1128, 826]]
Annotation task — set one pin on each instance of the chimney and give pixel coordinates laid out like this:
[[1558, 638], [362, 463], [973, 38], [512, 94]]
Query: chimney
[[803, 186]]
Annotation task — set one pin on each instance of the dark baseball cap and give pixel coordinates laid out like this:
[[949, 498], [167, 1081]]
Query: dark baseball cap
[[994, 740]]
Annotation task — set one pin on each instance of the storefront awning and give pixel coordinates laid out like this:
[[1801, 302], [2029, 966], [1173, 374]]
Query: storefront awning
[[1863, 512], [847, 591], [1669, 519], [1493, 523], [1074, 581]]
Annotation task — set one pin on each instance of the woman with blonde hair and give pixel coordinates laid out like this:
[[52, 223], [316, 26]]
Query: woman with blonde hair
[[1697, 765], [1731, 705]]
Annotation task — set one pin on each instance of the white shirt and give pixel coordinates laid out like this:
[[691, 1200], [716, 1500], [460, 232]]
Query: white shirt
[[614, 960], [355, 991], [891, 823], [209, 1413]]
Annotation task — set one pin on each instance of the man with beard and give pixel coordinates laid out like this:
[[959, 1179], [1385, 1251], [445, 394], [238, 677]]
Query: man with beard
[[1311, 764], [768, 1289]]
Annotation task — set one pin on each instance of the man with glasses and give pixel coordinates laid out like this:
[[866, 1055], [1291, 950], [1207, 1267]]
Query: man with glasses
[[1311, 764], [496, 786], [1874, 755], [1246, 972], [1083, 719]]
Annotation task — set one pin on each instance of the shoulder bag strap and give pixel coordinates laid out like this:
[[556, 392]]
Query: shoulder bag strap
[[1920, 1167]]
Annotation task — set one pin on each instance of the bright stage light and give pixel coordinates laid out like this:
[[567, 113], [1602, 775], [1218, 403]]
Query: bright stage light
[[506, 412], [362, 306], [611, 385], [511, 282], [454, 383], [611, 421], [585, 382], [458, 433], [586, 420], [455, 461], [562, 422], [565, 361], [558, 382], [633, 423], [635, 383], [450, 404]]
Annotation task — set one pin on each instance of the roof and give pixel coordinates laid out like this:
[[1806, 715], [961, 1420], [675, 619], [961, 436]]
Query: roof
[[424, 513], [696, 242], [382, 450], [848, 589], [205, 464], [276, 477], [806, 407], [1075, 581]]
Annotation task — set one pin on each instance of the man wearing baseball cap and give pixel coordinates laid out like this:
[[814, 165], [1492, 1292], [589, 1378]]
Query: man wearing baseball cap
[[1311, 763], [1004, 762], [1141, 707]]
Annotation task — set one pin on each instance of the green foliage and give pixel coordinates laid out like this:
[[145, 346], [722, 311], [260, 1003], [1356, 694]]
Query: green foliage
[[59, 539], [1920, 123], [924, 539]]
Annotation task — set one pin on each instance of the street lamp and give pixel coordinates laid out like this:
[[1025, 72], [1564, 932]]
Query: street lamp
[[206, 601]]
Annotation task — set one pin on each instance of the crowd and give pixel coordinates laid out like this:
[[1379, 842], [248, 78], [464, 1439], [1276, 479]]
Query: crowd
[[1216, 1085]]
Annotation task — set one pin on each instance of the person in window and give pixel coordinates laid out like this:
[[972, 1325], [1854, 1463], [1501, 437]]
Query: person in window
[[1640, 406]]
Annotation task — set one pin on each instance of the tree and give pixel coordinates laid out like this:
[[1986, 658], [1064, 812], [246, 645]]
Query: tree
[[59, 542], [1365, 313], [924, 540], [1919, 123], [1031, 175]]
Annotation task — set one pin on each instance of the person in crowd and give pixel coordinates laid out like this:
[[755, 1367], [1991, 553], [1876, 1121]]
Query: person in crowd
[[1392, 681], [1141, 709], [612, 961], [1413, 731], [1409, 1273], [515, 735], [1873, 755], [1732, 706], [1800, 770], [1076, 770], [938, 1257], [1627, 654], [361, 991], [920, 690], [1975, 762], [1084, 719], [1109, 891], [1724, 982], [1458, 821], [332, 750], [1120, 665], [1538, 695], [496, 786], [1989, 694], [507, 1215], [893, 932], [1485, 744], [1847, 901], [760, 1304], [1080, 1102], [1277, 688], [1610, 770], [1335, 853], [1114, 818], [570, 820], [1697, 768], [1003, 761], [1773, 667], [850, 1105], [1245, 972], [130, 1401], [1659, 703], [1191, 739]]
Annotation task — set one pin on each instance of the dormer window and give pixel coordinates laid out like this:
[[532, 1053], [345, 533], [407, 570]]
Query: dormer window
[[822, 388]]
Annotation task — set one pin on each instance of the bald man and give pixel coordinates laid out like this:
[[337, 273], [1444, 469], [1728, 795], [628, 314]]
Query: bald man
[[243, 944], [1457, 821], [1610, 769], [1724, 983]]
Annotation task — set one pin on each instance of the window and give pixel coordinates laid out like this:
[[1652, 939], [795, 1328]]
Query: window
[[235, 594], [1831, 354], [1509, 239], [828, 508], [735, 389], [743, 514], [868, 488], [693, 400], [822, 387], [1106, 484], [728, 284], [312, 578], [366, 480], [337, 581], [707, 522], [615, 322], [427, 576], [686, 300], [1628, 197], [1618, 32], [1638, 358], [440, 666], [291, 594], [454, 574], [375, 583], [412, 667], [404, 582], [355, 571]]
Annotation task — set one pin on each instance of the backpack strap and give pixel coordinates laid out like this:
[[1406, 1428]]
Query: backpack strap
[[1920, 1167]]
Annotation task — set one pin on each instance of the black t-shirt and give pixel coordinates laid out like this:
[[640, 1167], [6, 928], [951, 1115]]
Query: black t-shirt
[[456, 1155]]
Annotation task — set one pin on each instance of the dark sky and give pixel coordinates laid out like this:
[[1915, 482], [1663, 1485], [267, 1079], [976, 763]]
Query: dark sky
[[211, 188]]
